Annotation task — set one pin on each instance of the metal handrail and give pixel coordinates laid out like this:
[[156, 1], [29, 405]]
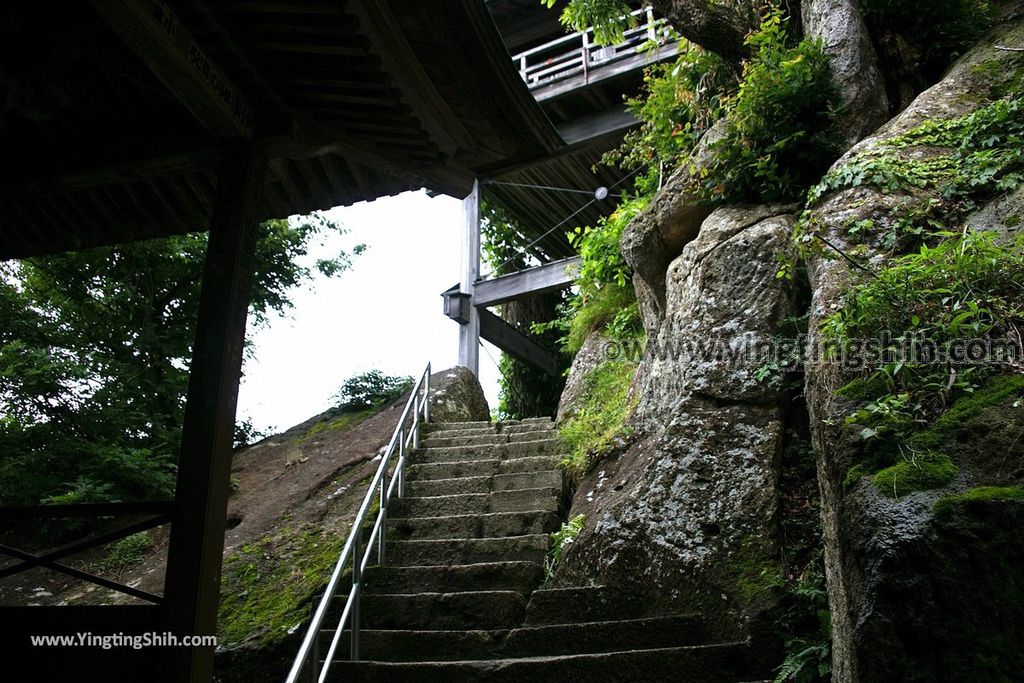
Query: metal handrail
[[585, 53], [404, 439]]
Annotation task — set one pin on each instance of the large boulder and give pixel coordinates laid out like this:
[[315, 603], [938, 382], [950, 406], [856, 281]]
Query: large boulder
[[685, 518], [456, 396], [853, 62], [652, 240], [916, 594]]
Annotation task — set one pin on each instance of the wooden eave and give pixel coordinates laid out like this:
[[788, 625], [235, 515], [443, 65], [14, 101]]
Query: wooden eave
[[108, 139]]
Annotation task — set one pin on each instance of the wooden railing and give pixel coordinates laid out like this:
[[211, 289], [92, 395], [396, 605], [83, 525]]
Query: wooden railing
[[577, 54], [154, 514]]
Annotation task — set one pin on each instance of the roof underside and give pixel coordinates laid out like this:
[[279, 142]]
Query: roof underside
[[349, 102]]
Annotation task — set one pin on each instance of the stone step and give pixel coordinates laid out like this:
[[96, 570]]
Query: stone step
[[491, 525], [500, 429], [585, 638], [522, 500], [443, 440], [720, 663], [484, 484], [469, 610], [432, 426], [583, 604], [520, 576], [411, 646], [505, 451], [434, 552], [478, 468]]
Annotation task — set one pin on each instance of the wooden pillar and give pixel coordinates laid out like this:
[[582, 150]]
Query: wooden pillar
[[469, 333], [192, 588]]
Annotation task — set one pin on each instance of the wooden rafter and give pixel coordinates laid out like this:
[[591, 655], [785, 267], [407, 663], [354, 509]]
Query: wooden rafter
[[154, 33]]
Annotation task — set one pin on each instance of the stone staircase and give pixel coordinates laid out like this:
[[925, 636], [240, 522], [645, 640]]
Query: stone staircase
[[460, 596]]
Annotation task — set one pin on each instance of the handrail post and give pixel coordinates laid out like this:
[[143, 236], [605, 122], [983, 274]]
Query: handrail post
[[357, 579], [314, 664], [416, 424], [383, 517], [426, 396], [586, 56]]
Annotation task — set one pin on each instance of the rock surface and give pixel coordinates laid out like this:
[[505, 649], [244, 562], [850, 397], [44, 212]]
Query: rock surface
[[658, 235], [899, 578], [854, 64], [456, 396], [685, 517], [587, 359]]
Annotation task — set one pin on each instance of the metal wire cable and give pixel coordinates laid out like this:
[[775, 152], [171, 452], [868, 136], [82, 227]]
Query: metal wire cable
[[563, 222]]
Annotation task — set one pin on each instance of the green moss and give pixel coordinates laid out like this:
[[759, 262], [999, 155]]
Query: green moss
[[999, 391], [755, 577], [613, 308], [855, 473], [981, 154], [864, 389], [343, 421], [1002, 82], [268, 585], [601, 417], [922, 472], [948, 504]]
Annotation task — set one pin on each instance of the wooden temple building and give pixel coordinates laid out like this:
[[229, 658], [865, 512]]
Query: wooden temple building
[[125, 120]]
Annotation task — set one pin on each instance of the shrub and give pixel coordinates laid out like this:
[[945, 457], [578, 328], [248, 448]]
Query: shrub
[[902, 330], [781, 134], [369, 390], [678, 103], [560, 540], [605, 299], [126, 552]]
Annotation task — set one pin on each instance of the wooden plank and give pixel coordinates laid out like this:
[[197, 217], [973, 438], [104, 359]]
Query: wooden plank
[[515, 343], [85, 510], [153, 31], [546, 278], [204, 466], [615, 121]]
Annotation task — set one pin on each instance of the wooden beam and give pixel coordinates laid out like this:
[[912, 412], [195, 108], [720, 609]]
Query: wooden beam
[[614, 121], [204, 466], [546, 278], [388, 41], [153, 31], [469, 333], [515, 343]]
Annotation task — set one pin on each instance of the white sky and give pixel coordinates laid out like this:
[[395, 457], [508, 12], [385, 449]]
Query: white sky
[[384, 313]]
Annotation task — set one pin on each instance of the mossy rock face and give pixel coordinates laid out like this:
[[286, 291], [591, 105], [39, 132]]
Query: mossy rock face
[[921, 473], [949, 606], [981, 432], [982, 495]]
